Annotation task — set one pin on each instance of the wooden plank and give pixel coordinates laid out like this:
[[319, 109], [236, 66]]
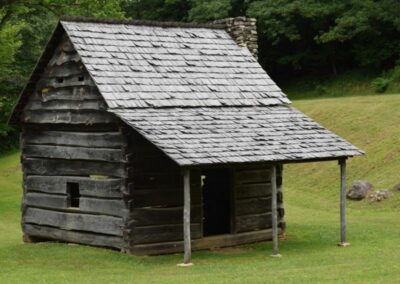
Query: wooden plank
[[73, 153], [248, 223], [164, 197], [79, 93], [163, 215], [253, 190], [102, 206], [110, 207], [95, 104], [211, 242], [256, 205], [45, 200], [163, 233], [52, 167], [73, 237], [74, 221], [106, 188], [86, 139], [63, 58], [252, 176], [63, 82], [68, 117], [65, 70]]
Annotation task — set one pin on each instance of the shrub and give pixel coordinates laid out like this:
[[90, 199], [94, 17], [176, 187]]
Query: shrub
[[380, 84], [321, 90], [8, 135]]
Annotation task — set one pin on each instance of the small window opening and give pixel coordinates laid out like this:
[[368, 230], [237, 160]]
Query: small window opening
[[73, 194], [81, 78], [59, 79]]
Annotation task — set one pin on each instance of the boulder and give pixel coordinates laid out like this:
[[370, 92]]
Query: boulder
[[397, 187], [379, 195], [359, 190]]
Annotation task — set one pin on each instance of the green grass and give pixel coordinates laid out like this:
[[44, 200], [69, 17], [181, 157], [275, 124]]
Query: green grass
[[311, 193], [351, 83]]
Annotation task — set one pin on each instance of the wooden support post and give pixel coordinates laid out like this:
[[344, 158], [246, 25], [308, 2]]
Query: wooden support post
[[343, 238], [186, 219], [274, 209]]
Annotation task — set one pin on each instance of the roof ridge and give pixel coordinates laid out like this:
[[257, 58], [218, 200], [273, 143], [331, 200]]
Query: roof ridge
[[143, 22]]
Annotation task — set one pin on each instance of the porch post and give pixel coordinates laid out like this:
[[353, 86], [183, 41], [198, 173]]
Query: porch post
[[274, 209], [186, 219], [343, 238]]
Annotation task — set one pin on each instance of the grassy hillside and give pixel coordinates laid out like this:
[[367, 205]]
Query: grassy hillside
[[312, 214]]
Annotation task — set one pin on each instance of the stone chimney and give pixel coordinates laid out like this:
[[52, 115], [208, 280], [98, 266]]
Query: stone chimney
[[243, 30]]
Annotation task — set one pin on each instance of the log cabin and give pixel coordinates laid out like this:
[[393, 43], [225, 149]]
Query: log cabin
[[160, 137]]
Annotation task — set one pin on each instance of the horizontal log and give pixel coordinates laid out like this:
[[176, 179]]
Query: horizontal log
[[163, 215], [74, 221], [252, 176], [248, 223], [53, 167], [164, 233], [73, 237], [164, 197], [45, 200], [63, 58], [104, 188], [73, 153], [79, 93], [253, 190], [162, 181], [64, 82], [68, 117], [85, 139], [95, 104], [204, 243], [65, 70], [256, 205], [86, 205]]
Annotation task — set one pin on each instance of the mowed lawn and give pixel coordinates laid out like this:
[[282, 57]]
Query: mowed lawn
[[311, 195]]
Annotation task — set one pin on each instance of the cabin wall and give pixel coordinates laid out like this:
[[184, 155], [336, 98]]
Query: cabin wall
[[73, 159], [252, 198], [156, 188]]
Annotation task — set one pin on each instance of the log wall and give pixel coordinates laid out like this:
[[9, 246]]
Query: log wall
[[156, 187], [69, 137], [252, 199]]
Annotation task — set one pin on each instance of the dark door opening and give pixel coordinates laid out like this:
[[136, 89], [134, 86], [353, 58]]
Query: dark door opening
[[216, 202]]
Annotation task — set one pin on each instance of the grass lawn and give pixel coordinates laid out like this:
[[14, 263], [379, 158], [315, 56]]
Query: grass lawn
[[311, 193]]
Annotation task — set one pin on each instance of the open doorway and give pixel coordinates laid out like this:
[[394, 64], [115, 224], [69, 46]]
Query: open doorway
[[216, 188]]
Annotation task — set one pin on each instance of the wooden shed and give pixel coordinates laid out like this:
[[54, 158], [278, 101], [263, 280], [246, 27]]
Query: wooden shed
[[155, 138]]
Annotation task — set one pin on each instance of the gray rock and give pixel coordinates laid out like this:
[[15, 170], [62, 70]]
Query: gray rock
[[379, 195], [359, 190], [397, 187]]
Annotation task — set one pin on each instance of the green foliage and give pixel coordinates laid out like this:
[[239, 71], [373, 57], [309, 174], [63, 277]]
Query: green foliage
[[380, 84], [209, 10]]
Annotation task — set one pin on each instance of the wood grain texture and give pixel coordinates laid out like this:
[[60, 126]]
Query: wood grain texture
[[68, 117], [70, 138], [74, 221], [73, 153], [57, 234], [52, 167], [103, 188], [163, 233]]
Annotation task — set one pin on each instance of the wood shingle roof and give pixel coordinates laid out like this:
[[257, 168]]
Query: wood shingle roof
[[195, 94]]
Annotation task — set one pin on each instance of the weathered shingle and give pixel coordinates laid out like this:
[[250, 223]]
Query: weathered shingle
[[181, 67], [236, 134], [195, 94]]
